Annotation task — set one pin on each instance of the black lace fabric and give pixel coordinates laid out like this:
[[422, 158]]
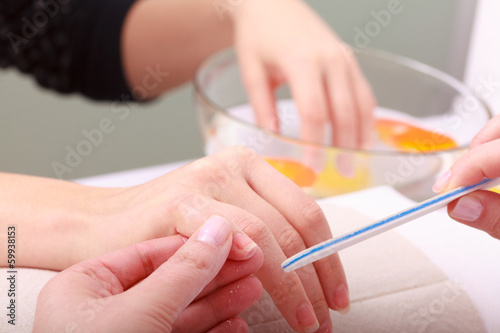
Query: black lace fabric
[[67, 45]]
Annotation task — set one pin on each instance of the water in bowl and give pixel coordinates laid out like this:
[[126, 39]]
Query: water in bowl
[[405, 154]]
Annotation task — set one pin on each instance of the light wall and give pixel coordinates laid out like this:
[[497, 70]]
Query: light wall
[[39, 128]]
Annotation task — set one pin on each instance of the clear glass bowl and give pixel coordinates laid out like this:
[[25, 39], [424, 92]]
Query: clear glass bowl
[[407, 92]]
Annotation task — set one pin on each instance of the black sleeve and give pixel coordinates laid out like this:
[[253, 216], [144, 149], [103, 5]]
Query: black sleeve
[[67, 45]]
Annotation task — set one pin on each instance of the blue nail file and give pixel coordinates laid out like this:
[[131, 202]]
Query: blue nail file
[[334, 245]]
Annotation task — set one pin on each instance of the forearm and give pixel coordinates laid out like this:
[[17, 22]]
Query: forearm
[[52, 219], [171, 37]]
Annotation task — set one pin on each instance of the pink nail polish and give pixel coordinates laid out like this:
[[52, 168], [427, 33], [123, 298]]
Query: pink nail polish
[[467, 209], [215, 231], [442, 182]]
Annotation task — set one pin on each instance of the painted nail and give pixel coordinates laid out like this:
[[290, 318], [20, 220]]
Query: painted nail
[[307, 319], [245, 244], [467, 209], [442, 182], [341, 299], [215, 231]]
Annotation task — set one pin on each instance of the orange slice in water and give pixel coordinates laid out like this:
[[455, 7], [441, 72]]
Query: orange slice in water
[[407, 137], [299, 173]]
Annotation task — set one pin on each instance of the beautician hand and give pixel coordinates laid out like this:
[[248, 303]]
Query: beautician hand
[[279, 41], [70, 223], [240, 186], [480, 209], [159, 285]]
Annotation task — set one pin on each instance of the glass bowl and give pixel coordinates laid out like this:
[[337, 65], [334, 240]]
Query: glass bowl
[[425, 121]]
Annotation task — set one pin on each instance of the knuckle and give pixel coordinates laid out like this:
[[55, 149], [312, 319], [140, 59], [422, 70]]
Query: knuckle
[[253, 227], [193, 265], [166, 313], [240, 154], [302, 55], [315, 117], [347, 123], [213, 174], [146, 261], [202, 169], [336, 55], [313, 217], [180, 205], [217, 181], [252, 79], [245, 154], [493, 227], [290, 288], [344, 107], [479, 139], [471, 162], [319, 304], [290, 241]]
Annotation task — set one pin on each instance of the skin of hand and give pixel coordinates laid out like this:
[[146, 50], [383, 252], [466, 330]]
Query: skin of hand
[[480, 209], [159, 285], [281, 41], [71, 223], [285, 41], [241, 187]]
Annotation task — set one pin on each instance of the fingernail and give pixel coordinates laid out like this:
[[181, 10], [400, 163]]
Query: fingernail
[[326, 327], [442, 182], [345, 165], [215, 231], [274, 125], [467, 209], [313, 158], [244, 244], [307, 319], [341, 299]]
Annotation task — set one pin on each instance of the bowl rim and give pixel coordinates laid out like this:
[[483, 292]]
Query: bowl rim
[[412, 64]]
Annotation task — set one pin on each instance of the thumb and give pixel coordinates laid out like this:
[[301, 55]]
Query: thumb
[[480, 210], [177, 282]]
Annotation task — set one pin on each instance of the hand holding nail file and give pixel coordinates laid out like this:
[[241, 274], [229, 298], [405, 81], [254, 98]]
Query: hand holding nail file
[[334, 245]]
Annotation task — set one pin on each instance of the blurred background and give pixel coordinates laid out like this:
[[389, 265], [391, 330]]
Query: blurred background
[[37, 125]]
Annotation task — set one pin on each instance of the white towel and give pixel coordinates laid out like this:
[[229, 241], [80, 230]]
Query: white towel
[[394, 287]]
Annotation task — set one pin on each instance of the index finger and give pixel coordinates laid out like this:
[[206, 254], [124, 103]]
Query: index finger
[[478, 163], [308, 92], [260, 91], [490, 132], [365, 101]]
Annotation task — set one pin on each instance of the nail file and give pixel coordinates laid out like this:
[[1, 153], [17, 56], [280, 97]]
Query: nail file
[[334, 245]]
